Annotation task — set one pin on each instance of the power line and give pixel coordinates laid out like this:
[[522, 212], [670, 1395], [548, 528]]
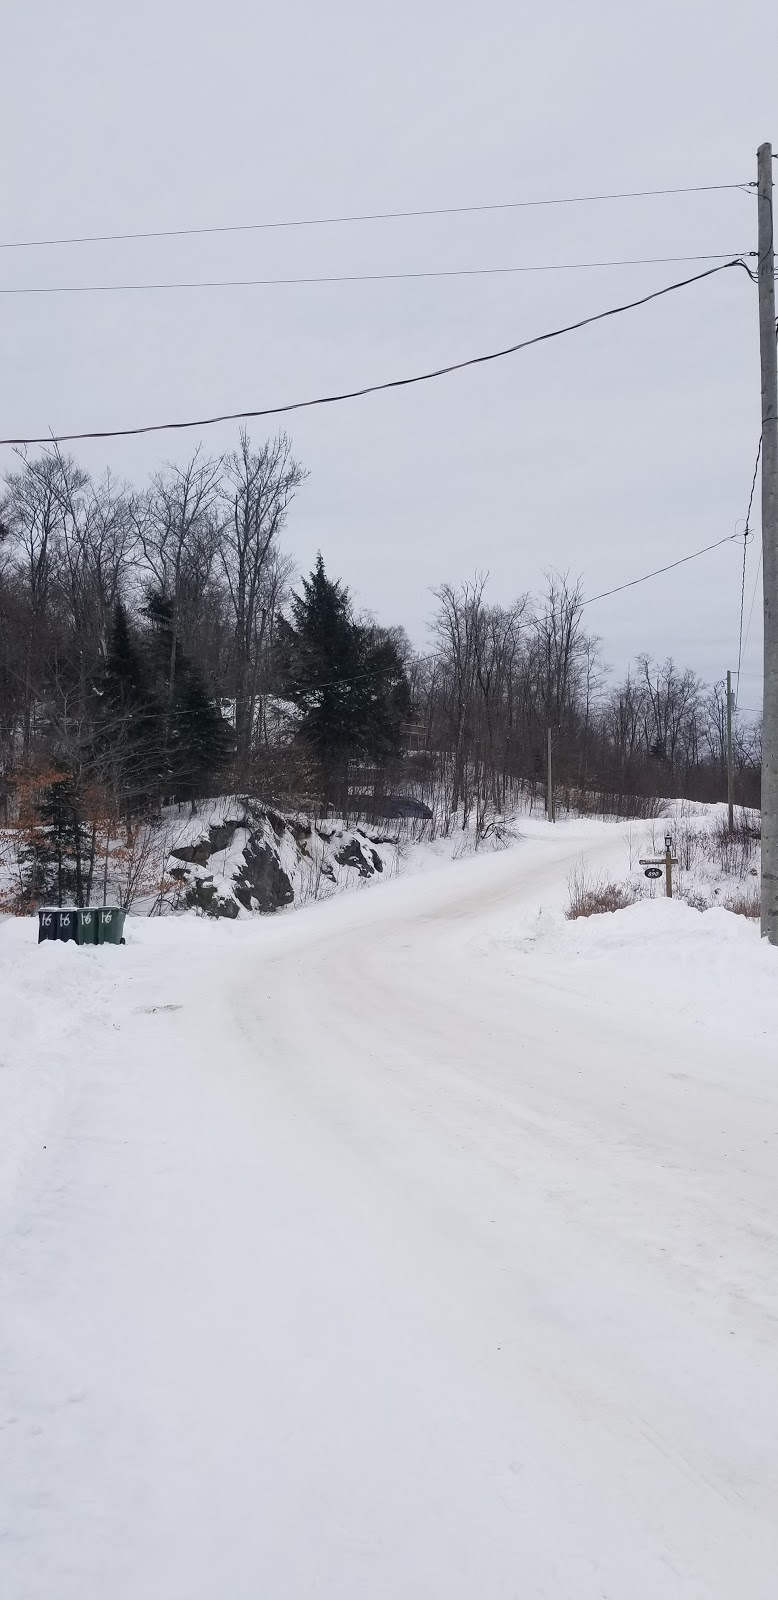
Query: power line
[[378, 388], [363, 277], [368, 216], [659, 570], [746, 531], [742, 606], [753, 598], [419, 659]]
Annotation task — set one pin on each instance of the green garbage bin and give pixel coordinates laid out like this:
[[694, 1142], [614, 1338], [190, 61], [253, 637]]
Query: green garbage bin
[[86, 925], [110, 925]]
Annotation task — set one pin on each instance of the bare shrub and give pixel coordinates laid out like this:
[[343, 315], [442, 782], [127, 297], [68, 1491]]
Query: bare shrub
[[317, 879], [744, 902], [733, 853], [141, 866], [606, 803], [689, 844], [497, 832], [693, 898], [588, 897]]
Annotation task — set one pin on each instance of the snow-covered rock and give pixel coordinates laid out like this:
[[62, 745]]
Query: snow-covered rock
[[265, 860]]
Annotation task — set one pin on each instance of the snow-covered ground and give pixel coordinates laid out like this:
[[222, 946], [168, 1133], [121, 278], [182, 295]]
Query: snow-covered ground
[[413, 1244]]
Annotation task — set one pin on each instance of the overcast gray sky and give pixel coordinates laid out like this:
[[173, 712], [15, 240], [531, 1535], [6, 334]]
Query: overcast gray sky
[[607, 453]]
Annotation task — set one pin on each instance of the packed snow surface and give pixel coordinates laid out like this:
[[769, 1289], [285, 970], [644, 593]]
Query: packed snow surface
[[416, 1244]]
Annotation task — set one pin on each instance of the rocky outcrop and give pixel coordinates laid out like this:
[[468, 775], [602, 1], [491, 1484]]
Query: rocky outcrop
[[202, 895], [219, 836], [357, 854], [270, 861], [198, 854], [261, 884]]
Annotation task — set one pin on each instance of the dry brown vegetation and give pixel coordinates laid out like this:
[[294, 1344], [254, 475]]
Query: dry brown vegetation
[[589, 897], [745, 902]]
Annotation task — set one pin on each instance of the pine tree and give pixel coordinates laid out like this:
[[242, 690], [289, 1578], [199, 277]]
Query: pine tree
[[197, 742], [347, 679], [55, 857], [201, 741], [125, 678], [129, 730]]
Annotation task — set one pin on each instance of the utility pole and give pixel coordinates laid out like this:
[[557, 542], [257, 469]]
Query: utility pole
[[769, 363], [730, 773], [549, 783]]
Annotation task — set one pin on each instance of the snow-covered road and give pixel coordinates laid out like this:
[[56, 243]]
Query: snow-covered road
[[406, 1246]]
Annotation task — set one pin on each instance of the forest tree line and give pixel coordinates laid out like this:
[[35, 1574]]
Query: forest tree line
[[155, 644]]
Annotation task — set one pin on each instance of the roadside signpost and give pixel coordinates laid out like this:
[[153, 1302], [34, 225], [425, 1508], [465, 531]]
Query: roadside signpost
[[653, 866]]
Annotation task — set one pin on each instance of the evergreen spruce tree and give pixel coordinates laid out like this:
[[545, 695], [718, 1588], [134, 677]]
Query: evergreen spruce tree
[[202, 743], [54, 860], [347, 680], [125, 678], [197, 742], [129, 730]]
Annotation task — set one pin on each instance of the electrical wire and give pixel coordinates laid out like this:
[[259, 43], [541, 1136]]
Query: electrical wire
[[746, 532], [378, 388], [420, 659], [753, 598], [362, 277], [367, 216], [742, 606], [659, 570]]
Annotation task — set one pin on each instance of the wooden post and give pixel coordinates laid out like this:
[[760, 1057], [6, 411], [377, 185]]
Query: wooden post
[[549, 783], [668, 873], [730, 773]]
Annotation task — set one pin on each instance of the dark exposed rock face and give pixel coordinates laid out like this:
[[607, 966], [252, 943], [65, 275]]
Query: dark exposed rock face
[[283, 858], [202, 896], [261, 883], [199, 854], [220, 834], [355, 854]]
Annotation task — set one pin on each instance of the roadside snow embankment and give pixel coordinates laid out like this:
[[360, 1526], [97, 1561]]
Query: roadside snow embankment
[[55, 1004], [710, 966]]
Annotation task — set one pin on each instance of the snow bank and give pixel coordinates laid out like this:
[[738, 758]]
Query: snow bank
[[711, 966], [55, 1001]]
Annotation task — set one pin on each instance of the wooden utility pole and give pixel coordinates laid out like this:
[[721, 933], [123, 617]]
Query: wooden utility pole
[[550, 812], [769, 363], [730, 773]]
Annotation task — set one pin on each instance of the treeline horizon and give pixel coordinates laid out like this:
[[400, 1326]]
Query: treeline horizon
[[130, 618]]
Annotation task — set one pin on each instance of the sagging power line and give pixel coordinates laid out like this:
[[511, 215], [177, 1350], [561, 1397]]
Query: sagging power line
[[746, 532], [657, 572], [392, 383]]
